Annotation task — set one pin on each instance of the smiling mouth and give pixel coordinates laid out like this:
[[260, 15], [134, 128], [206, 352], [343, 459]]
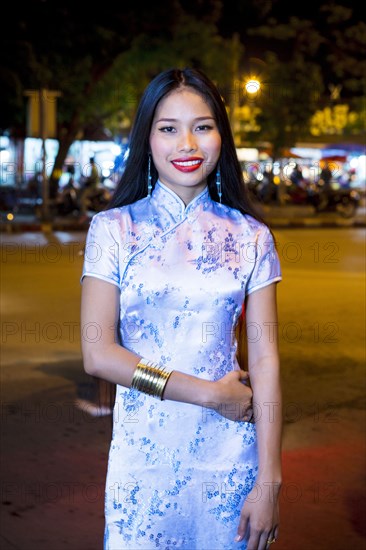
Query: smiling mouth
[[187, 165]]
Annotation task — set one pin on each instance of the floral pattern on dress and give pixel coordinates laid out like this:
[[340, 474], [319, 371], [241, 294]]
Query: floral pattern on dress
[[178, 474]]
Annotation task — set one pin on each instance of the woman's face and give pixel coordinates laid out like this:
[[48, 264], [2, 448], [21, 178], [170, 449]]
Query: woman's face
[[185, 142]]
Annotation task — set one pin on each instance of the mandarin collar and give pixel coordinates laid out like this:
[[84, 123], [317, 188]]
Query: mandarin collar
[[166, 199]]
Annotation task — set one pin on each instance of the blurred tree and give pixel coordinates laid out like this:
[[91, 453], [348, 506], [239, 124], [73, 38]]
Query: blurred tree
[[334, 37], [288, 97], [194, 43], [100, 60], [336, 120], [319, 61]]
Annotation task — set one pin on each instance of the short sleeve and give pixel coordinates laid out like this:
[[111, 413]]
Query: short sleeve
[[101, 257], [266, 269]]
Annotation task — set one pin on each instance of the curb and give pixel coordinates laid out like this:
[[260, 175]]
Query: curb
[[44, 227], [24, 226], [314, 223]]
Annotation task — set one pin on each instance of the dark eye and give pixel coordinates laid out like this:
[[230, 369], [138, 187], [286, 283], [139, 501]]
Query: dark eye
[[167, 129], [204, 127]]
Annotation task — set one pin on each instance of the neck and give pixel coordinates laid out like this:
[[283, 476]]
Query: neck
[[186, 194]]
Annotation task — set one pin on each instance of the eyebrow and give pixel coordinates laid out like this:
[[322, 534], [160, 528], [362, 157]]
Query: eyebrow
[[176, 120]]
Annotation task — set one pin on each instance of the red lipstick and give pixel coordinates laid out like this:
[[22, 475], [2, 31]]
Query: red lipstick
[[187, 164]]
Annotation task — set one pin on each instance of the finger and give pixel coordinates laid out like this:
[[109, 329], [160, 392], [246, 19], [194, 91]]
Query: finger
[[243, 374], [248, 415], [268, 540], [265, 541], [242, 528], [254, 541]]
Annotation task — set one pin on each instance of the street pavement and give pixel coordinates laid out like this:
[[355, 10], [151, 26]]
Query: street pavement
[[276, 215], [54, 455]]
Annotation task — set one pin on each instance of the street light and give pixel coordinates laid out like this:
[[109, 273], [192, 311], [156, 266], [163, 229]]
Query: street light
[[252, 86]]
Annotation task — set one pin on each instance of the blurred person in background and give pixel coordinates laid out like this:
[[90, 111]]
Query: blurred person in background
[[89, 190], [325, 178]]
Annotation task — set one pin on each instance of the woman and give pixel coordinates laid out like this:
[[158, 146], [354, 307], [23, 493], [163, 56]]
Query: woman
[[167, 270]]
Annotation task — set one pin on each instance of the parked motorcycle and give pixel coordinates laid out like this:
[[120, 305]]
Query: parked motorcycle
[[342, 201], [68, 200], [296, 194]]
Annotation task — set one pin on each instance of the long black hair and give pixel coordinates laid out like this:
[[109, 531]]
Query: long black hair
[[133, 183]]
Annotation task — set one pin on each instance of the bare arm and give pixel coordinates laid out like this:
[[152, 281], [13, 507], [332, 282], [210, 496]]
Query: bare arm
[[260, 515], [105, 358], [264, 370]]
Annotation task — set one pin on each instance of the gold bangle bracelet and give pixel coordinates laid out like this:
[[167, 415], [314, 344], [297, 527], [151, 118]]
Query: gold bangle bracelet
[[165, 383], [150, 378]]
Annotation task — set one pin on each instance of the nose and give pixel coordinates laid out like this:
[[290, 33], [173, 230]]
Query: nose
[[187, 142]]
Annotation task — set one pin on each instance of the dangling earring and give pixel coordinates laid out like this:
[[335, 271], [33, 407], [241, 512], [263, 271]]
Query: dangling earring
[[218, 183], [149, 186]]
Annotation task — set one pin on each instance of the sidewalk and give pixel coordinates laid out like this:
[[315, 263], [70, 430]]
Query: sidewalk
[[304, 216], [276, 216]]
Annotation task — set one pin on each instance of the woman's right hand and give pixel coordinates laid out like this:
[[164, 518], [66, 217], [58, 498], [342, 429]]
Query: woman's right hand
[[233, 397]]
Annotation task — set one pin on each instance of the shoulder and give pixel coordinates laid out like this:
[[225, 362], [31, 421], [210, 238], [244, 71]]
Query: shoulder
[[120, 214], [246, 223], [118, 223], [107, 216]]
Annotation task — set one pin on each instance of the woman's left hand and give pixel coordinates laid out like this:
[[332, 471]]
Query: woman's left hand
[[259, 518]]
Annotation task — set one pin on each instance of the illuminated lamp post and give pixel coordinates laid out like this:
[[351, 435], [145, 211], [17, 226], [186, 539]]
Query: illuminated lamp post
[[252, 86]]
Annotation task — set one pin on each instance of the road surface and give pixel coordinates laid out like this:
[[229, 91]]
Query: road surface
[[54, 455]]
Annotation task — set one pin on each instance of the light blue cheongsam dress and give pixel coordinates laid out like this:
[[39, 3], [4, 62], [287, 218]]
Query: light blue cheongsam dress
[[178, 474]]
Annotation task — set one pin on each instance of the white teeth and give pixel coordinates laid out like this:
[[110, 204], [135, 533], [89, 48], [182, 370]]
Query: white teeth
[[187, 162]]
